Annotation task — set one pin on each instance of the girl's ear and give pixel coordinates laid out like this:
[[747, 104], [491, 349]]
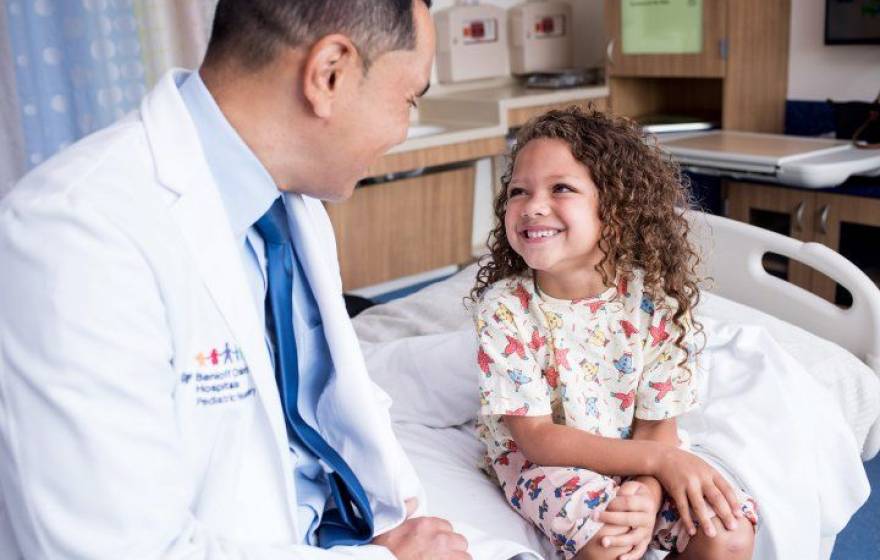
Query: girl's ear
[[331, 67]]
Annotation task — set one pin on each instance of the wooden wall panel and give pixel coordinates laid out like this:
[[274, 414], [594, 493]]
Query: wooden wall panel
[[757, 68]]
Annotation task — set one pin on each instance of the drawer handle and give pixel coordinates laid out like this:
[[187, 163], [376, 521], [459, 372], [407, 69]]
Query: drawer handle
[[799, 217], [609, 52], [823, 220]]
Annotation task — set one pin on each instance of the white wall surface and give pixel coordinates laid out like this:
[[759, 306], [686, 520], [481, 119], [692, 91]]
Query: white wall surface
[[817, 71]]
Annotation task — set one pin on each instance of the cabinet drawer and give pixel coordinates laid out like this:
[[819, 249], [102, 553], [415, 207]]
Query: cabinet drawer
[[404, 227]]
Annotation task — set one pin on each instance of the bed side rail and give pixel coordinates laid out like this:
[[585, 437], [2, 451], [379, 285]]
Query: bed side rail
[[732, 253]]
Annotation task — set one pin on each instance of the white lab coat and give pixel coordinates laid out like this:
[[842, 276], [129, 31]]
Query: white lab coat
[[119, 276]]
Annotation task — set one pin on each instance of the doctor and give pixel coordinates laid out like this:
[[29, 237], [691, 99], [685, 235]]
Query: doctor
[[178, 376]]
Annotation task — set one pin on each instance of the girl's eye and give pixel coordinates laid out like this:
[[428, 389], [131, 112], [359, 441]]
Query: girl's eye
[[562, 187], [514, 191]]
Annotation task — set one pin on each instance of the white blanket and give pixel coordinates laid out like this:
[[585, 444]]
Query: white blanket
[[781, 435], [765, 421]]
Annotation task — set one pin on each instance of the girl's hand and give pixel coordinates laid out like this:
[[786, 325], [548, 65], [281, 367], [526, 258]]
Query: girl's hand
[[691, 483], [636, 507]]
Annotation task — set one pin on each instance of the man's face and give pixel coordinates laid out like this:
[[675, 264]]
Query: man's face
[[376, 116]]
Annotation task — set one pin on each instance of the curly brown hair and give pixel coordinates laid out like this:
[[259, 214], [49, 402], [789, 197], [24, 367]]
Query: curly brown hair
[[642, 200]]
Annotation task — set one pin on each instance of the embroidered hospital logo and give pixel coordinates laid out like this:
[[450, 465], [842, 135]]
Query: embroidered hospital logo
[[220, 376]]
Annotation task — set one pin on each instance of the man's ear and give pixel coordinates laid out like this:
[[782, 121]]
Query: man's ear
[[332, 64]]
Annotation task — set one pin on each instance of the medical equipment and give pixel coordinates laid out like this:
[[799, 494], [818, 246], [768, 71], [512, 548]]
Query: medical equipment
[[540, 36], [471, 42], [790, 160]]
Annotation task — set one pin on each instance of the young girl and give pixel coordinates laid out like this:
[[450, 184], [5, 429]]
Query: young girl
[[587, 349]]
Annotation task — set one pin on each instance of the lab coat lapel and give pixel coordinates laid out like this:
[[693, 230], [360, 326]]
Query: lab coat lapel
[[201, 216], [351, 417], [202, 220]]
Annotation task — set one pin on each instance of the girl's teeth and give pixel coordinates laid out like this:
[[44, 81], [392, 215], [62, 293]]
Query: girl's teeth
[[544, 233]]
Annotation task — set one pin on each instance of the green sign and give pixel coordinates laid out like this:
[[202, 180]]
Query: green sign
[[661, 26]]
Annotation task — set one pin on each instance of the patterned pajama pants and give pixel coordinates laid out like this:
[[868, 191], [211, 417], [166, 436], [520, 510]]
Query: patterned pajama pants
[[560, 501]]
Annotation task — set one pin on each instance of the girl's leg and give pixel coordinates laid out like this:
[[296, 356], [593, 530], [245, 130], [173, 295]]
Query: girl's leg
[[558, 500], [727, 545]]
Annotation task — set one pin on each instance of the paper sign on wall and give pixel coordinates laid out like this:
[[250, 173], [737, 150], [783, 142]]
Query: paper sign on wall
[[661, 26]]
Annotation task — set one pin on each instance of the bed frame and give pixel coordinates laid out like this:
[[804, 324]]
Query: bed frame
[[732, 253]]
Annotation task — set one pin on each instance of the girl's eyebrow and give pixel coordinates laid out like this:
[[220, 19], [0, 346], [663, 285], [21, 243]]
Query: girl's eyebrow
[[563, 176], [516, 181]]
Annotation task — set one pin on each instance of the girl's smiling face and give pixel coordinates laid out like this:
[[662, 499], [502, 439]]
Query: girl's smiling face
[[552, 218]]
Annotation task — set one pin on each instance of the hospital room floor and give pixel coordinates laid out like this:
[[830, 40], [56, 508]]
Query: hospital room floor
[[860, 540]]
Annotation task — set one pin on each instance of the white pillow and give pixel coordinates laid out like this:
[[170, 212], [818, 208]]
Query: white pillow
[[432, 379]]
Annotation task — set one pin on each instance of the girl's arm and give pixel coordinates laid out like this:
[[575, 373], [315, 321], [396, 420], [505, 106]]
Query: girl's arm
[[660, 431], [546, 443]]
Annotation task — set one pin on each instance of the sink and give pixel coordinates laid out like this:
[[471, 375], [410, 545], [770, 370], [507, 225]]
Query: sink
[[419, 130]]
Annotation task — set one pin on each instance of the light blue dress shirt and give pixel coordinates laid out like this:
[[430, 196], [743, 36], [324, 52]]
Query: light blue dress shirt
[[248, 191]]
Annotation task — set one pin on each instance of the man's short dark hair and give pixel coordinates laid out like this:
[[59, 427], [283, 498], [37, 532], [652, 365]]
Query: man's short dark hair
[[252, 31]]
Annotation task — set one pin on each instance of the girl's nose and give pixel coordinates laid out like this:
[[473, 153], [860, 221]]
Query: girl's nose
[[535, 206]]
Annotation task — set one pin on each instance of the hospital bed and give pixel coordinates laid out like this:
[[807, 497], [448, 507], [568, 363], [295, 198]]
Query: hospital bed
[[420, 349]]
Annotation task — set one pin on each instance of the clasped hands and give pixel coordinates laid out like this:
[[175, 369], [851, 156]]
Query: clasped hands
[[694, 487]]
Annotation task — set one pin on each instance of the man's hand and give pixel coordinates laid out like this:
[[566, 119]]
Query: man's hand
[[635, 507], [423, 538]]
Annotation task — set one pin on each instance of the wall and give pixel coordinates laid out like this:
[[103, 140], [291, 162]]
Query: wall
[[817, 71]]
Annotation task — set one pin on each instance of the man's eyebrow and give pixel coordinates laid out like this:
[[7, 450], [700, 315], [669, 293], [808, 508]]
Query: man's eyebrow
[[424, 91]]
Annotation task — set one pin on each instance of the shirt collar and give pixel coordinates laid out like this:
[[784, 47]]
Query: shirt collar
[[245, 185]]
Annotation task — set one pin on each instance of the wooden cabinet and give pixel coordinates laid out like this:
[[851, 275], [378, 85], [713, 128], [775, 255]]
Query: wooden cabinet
[[851, 226], [847, 224], [786, 211], [739, 79], [405, 227], [707, 63]]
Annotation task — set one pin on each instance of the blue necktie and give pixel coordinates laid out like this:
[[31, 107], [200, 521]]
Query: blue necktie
[[341, 526]]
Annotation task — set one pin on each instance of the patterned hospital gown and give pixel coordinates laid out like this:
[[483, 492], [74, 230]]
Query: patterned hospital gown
[[595, 364]]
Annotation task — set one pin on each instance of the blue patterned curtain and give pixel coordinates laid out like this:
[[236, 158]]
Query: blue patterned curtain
[[79, 65]]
